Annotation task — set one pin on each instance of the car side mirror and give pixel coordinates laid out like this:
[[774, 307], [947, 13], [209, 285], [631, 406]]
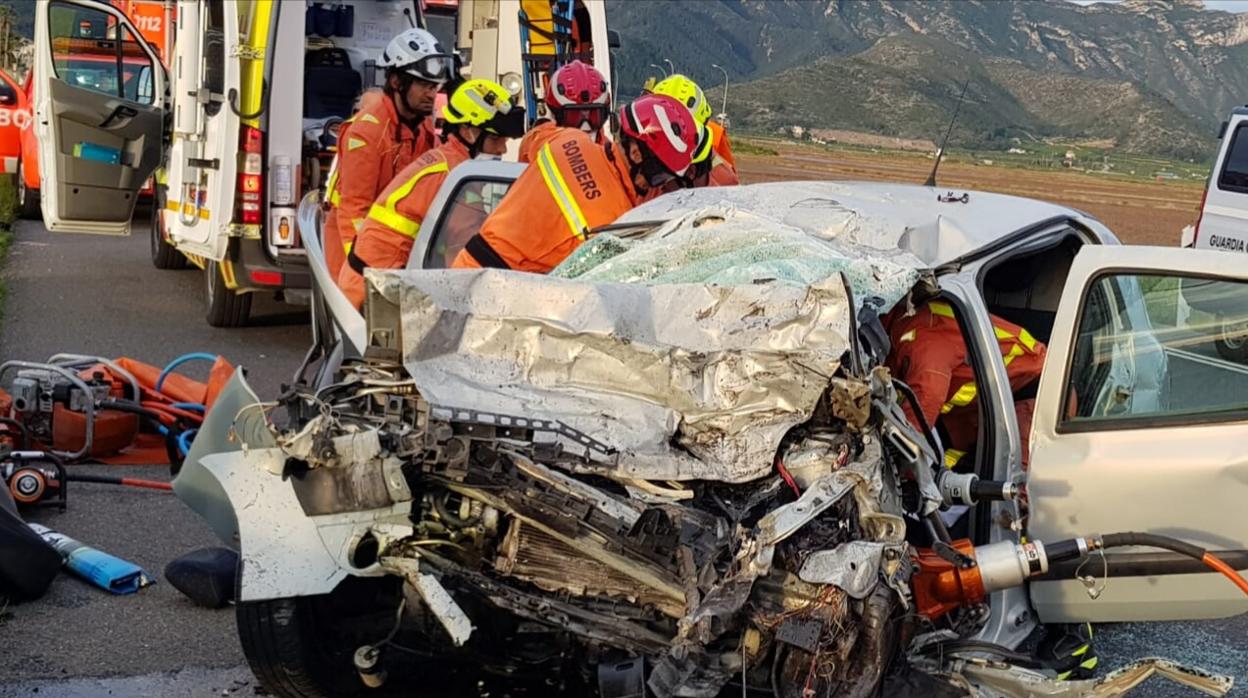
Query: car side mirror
[[8, 96], [613, 38]]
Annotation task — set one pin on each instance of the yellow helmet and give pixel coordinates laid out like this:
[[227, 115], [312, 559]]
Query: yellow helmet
[[705, 144], [687, 92], [486, 105]]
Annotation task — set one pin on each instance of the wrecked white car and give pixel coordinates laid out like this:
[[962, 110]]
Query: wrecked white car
[[677, 466]]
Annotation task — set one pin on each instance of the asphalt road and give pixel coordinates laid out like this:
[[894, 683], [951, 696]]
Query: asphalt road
[[102, 296]]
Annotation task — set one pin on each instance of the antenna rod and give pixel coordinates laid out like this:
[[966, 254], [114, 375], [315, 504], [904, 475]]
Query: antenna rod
[[940, 152]]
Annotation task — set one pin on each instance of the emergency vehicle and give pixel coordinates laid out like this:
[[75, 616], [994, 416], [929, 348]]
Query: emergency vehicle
[[1222, 225], [153, 19], [244, 122]]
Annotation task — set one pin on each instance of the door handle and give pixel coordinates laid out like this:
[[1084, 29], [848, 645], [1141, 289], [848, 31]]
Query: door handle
[[121, 115]]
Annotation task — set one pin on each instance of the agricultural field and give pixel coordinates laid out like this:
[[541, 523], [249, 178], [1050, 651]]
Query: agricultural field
[[1138, 209]]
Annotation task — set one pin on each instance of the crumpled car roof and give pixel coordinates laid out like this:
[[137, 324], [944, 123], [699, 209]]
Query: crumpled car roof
[[876, 218]]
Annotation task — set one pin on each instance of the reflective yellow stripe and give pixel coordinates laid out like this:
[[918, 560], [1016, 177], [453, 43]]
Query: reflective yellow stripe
[[1028, 341], [907, 337], [1063, 676], [952, 456], [965, 396], [1081, 651], [355, 143], [402, 192], [388, 214], [1002, 334], [559, 190], [346, 246], [1015, 352], [331, 185], [365, 116], [941, 309], [1090, 663], [394, 220]]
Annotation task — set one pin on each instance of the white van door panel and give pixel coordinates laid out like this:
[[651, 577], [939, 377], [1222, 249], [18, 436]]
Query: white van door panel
[[1104, 462], [203, 162], [99, 115], [1224, 217]]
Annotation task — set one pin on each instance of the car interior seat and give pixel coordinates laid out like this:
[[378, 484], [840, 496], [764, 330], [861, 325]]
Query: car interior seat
[[330, 84]]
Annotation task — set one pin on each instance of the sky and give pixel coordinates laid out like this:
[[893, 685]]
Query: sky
[[1225, 5]]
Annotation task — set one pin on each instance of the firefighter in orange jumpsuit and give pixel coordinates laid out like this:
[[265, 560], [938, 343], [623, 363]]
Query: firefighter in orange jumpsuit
[[576, 185], [929, 355], [576, 97], [391, 129], [717, 168], [481, 116]]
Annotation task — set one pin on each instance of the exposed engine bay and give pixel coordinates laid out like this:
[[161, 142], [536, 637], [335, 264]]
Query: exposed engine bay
[[705, 580]]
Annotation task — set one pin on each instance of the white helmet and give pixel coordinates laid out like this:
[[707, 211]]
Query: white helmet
[[418, 53]]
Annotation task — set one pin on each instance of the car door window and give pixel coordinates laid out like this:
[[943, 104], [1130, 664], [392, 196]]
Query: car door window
[[466, 210], [1172, 345], [92, 51], [1234, 174]]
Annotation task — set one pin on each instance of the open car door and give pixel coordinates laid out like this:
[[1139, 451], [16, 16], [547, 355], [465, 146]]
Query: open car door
[[99, 115], [1110, 454]]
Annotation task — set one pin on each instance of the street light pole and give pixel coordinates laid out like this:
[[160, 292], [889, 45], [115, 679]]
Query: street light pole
[[672, 67], [659, 68], [724, 109]]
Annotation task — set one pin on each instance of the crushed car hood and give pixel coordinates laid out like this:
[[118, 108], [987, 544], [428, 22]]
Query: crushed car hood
[[669, 381]]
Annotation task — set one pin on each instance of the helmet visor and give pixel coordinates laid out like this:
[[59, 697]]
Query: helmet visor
[[587, 117], [436, 68]]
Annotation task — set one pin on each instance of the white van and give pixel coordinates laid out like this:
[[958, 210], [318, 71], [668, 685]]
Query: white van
[[1223, 225], [245, 120]]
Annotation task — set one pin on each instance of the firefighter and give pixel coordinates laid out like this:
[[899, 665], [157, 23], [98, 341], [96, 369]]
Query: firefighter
[[929, 354], [721, 169], [480, 117], [390, 130], [577, 184], [577, 97]]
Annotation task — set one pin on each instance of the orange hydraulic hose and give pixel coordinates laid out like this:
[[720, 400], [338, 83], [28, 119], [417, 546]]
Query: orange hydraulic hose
[[1227, 571]]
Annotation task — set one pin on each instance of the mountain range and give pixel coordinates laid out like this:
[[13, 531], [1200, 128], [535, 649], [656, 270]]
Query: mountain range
[[1144, 76]]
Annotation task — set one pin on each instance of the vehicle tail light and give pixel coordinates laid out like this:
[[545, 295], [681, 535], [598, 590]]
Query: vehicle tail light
[[249, 203], [267, 278], [1200, 214]]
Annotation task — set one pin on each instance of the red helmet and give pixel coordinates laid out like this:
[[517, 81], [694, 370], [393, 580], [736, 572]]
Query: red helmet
[[666, 130], [578, 96]]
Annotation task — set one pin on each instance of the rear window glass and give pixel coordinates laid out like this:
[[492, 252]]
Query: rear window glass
[[1234, 175]]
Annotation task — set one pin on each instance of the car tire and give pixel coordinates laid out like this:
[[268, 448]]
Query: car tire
[[164, 255], [224, 307], [280, 643], [304, 647], [1232, 341], [27, 199]]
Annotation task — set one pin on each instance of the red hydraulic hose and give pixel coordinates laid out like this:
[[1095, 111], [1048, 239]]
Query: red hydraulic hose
[[118, 480]]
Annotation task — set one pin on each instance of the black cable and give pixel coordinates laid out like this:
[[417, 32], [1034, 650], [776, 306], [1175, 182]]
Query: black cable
[[21, 428], [1119, 540], [913, 399]]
